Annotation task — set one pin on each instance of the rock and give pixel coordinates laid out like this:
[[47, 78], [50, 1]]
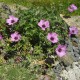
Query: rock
[[44, 77], [72, 73], [10, 9], [57, 69], [64, 74], [72, 21], [67, 59], [41, 77], [47, 77]]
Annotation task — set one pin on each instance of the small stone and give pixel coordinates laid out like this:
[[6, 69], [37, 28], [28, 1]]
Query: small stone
[[75, 40], [71, 75], [47, 77], [76, 55], [64, 74], [57, 69], [41, 77], [68, 68], [75, 49]]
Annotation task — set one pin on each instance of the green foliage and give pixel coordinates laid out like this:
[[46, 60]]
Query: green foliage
[[36, 36], [60, 5], [15, 72], [32, 35]]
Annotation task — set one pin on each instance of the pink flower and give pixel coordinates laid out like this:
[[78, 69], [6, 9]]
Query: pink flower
[[12, 20], [43, 24], [73, 31], [61, 50], [72, 8], [53, 37], [15, 37], [1, 37]]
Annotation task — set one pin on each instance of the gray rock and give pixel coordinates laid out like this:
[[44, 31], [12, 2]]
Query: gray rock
[[57, 69], [73, 21], [75, 40], [72, 73], [75, 49]]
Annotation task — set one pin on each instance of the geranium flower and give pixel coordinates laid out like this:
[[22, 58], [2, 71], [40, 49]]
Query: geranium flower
[[73, 31], [43, 24], [15, 37], [1, 37], [72, 8], [53, 37], [12, 20], [61, 50]]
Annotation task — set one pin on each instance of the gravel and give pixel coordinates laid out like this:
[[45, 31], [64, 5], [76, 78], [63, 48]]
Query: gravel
[[69, 71]]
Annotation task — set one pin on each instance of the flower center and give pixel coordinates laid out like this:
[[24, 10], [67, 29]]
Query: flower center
[[52, 38], [43, 26], [16, 38], [12, 21], [59, 49], [73, 31]]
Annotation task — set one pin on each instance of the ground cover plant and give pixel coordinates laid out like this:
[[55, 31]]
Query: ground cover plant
[[33, 39]]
